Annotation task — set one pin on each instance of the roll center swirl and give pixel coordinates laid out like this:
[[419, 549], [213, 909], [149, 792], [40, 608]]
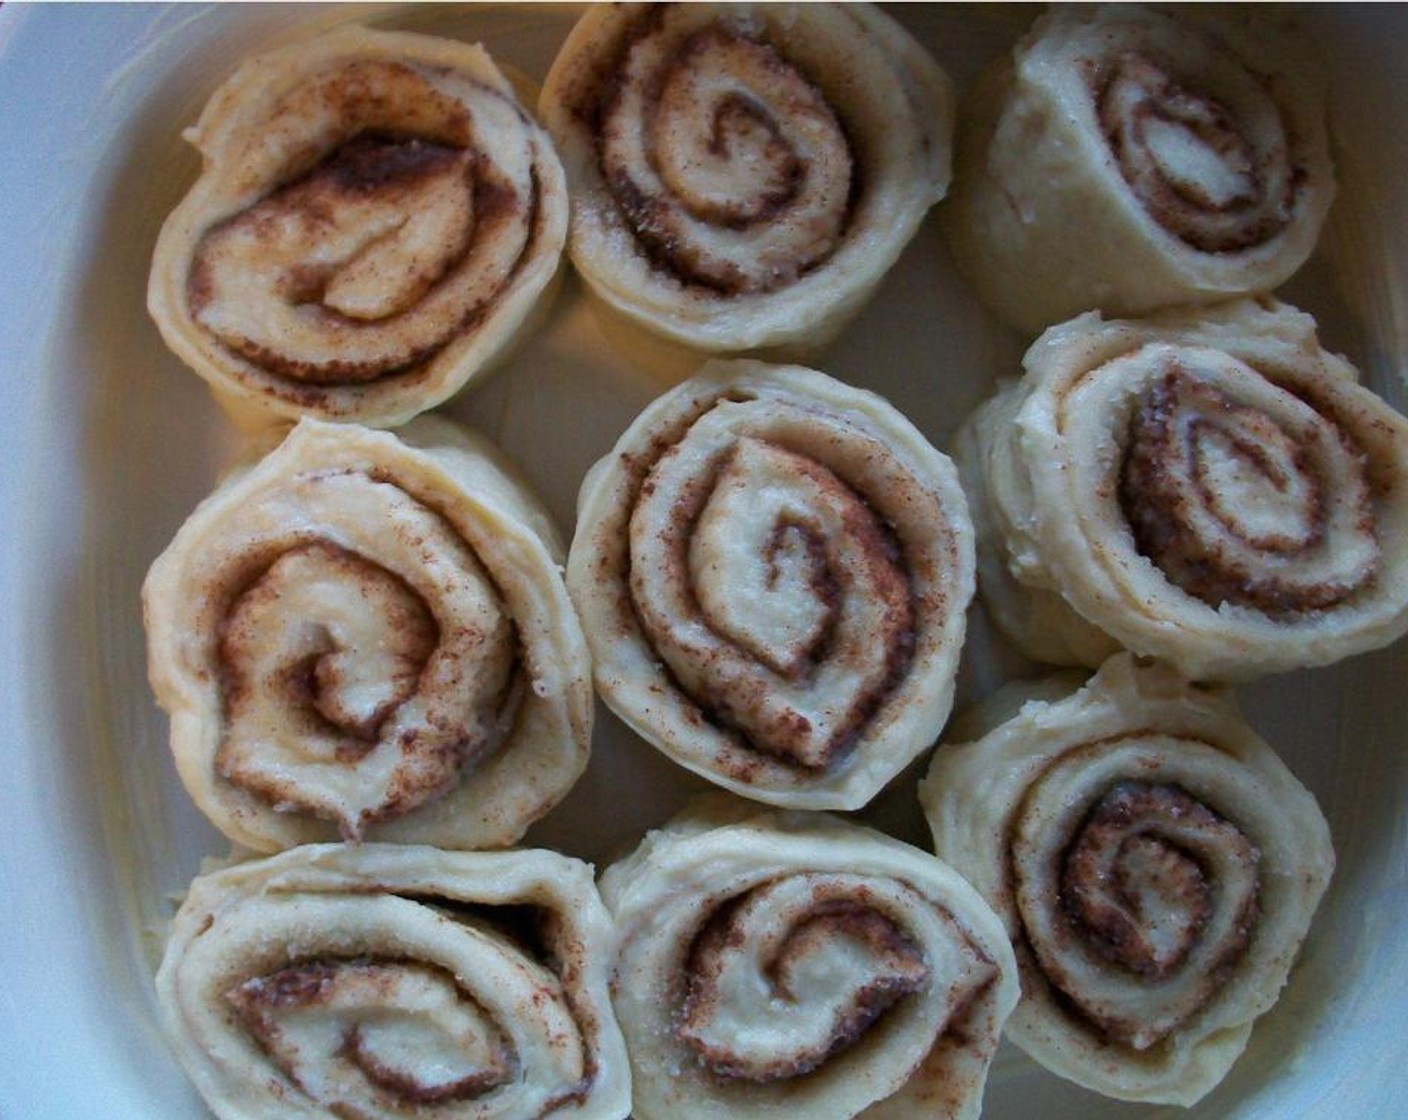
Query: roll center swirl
[[791, 974], [401, 1029], [1193, 160], [775, 594], [322, 671], [1263, 505], [1139, 901], [727, 162], [359, 685], [371, 259], [1138, 891]]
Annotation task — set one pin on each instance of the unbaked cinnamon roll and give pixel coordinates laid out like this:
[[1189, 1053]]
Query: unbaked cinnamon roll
[[772, 569], [376, 220], [368, 636], [1128, 157], [743, 175], [395, 981], [1210, 487], [783, 962], [1156, 864]]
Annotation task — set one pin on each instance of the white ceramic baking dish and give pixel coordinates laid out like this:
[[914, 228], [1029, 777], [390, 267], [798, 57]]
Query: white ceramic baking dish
[[112, 442]]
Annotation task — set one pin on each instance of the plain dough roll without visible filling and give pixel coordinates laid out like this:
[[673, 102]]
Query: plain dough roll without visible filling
[[377, 219], [367, 635], [1127, 158], [791, 964], [1156, 864], [743, 175], [393, 982], [773, 570], [1208, 486]]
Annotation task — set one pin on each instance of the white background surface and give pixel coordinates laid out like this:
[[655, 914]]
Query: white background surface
[[112, 442]]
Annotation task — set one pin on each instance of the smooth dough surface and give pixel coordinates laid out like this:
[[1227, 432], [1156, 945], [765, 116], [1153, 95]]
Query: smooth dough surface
[[393, 981], [376, 221], [1156, 865], [1209, 486], [775, 964], [367, 635], [743, 175], [773, 570], [1126, 158]]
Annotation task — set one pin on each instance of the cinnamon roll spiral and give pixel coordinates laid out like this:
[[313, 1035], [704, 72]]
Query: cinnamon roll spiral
[[396, 981], [1127, 158], [780, 961], [743, 175], [368, 636], [1208, 487], [376, 219], [1156, 864], [772, 569]]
